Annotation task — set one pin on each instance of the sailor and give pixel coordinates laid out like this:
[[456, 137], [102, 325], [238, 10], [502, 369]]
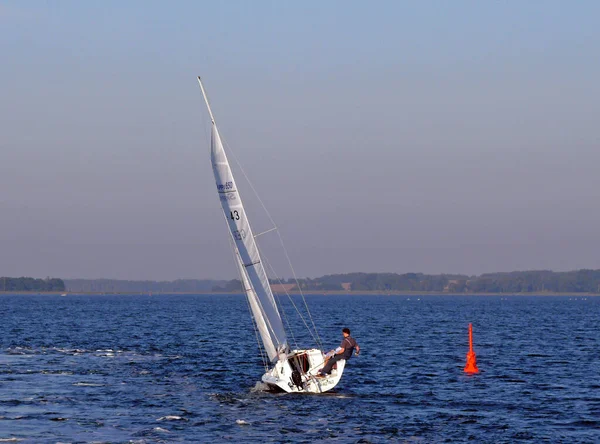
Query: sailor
[[344, 351]]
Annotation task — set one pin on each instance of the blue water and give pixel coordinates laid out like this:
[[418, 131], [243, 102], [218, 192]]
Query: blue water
[[185, 368]]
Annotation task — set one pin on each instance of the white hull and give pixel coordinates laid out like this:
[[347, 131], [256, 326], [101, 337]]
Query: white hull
[[306, 363]]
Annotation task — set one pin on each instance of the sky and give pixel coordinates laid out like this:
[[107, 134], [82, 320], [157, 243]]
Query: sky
[[385, 136]]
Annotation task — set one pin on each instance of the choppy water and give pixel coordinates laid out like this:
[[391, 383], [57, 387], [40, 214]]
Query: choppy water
[[185, 369]]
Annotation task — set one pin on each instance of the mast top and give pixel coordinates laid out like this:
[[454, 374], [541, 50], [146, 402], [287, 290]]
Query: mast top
[[212, 119]]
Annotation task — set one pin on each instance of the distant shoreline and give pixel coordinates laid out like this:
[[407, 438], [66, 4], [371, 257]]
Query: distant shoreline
[[533, 282], [293, 293]]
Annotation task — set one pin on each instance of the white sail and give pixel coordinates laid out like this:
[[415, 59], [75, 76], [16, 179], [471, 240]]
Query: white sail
[[257, 314], [258, 291]]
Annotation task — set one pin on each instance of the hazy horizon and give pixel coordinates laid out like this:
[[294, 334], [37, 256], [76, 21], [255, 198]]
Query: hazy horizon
[[431, 137]]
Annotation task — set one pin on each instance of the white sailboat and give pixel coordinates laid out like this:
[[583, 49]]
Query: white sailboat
[[293, 370]]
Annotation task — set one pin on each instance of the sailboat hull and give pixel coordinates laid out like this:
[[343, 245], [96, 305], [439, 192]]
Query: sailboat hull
[[297, 373]]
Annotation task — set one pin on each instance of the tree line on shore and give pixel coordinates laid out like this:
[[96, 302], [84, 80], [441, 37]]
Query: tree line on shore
[[125, 286], [541, 281], [31, 284]]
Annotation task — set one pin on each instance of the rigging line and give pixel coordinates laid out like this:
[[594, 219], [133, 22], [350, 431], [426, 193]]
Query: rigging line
[[248, 180], [287, 321], [318, 340], [294, 305], [278, 233], [276, 295], [265, 232]]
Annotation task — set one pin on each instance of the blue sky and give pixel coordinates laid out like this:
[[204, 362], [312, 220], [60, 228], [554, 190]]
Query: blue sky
[[389, 136]]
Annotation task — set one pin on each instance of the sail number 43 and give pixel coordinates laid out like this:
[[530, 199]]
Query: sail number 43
[[235, 215]]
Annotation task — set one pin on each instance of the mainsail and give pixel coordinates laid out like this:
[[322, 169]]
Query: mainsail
[[257, 314], [252, 272]]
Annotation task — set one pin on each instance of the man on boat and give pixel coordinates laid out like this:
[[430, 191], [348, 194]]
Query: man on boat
[[344, 351]]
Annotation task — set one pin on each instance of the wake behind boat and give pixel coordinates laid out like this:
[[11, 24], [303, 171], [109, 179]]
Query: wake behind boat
[[294, 370]]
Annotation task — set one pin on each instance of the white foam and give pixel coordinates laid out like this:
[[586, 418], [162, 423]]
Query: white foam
[[260, 387], [171, 418], [241, 422]]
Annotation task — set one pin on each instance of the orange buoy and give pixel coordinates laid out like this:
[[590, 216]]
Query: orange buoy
[[471, 366]]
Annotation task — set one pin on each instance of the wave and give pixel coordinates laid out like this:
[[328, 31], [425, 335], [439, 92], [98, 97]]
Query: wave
[[100, 352], [260, 387], [171, 418]]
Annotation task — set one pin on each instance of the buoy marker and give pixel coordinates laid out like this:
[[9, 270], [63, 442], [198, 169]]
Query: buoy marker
[[471, 366]]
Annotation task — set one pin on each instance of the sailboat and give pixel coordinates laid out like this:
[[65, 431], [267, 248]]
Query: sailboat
[[287, 369]]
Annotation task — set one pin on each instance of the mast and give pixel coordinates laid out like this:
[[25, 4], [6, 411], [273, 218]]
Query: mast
[[212, 119], [254, 277]]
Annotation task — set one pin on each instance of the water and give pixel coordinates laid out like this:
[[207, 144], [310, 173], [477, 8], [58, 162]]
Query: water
[[185, 369]]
